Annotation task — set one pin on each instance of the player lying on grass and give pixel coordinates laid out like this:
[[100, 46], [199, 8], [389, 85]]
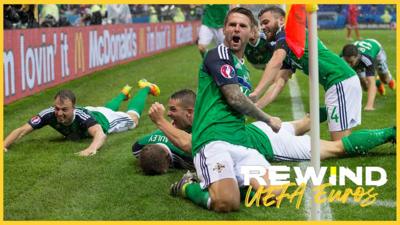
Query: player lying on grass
[[155, 152], [365, 57], [81, 122], [171, 144], [342, 87]]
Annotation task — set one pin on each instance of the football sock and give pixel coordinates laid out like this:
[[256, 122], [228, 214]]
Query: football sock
[[115, 103], [137, 103], [198, 196], [361, 141]]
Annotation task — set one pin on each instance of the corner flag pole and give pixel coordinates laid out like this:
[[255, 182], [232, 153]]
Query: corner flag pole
[[314, 98]]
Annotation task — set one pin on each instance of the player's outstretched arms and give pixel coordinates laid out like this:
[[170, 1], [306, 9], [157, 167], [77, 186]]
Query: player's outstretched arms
[[98, 140], [237, 100], [270, 72], [275, 89], [178, 137], [16, 135]]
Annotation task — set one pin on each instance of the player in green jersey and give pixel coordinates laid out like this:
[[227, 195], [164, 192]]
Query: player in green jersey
[[365, 57], [76, 122], [342, 87], [289, 144], [156, 153], [211, 26], [258, 52], [219, 143]]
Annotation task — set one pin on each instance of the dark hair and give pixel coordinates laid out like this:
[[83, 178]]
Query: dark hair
[[243, 11], [186, 96], [349, 50], [154, 160], [273, 8], [66, 94]]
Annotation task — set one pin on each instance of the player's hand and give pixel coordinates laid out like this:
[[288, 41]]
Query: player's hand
[[275, 123], [156, 112], [253, 97], [87, 152], [5, 149]]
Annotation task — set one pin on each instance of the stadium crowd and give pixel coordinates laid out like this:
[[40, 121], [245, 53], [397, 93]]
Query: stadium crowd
[[60, 15]]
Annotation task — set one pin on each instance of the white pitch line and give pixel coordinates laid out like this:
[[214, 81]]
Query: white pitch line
[[298, 113]]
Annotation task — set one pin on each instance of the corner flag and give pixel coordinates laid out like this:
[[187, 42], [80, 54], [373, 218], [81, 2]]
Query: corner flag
[[295, 29]]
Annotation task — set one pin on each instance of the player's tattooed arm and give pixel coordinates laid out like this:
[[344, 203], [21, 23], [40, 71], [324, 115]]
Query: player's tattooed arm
[[237, 100]]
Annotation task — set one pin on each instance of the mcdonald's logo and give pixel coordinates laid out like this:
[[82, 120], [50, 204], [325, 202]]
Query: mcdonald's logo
[[79, 56]]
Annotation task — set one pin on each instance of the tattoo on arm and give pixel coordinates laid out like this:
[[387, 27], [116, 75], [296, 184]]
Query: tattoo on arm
[[237, 100]]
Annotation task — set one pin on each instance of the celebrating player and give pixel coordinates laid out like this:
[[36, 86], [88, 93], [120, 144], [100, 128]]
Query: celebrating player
[[365, 57], [342, 87], [76, 122]]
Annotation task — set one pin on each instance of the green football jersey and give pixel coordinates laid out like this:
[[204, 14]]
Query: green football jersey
[[370, 47], [180, 158], [214, 15], [332, 68], [214, 119], [101, 119], [260, 141]]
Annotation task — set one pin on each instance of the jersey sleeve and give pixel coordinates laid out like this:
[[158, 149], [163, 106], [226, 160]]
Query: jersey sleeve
[[219, 64], [136, 149], [85, 118], [369, 66], [281, 40], [42, 119]]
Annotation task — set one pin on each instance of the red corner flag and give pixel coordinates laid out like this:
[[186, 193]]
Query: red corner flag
[[295, 29]]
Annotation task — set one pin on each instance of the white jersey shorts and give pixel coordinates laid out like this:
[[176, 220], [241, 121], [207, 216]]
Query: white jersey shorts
[[343, 103], [118, 121], [219, 160], [207, 34], [286, 146], [381, 63]]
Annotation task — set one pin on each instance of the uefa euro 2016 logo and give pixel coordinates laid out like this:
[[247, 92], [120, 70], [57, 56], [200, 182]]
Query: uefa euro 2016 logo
[[279, 187]]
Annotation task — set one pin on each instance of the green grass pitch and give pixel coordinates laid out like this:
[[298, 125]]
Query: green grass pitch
[[44, 180]]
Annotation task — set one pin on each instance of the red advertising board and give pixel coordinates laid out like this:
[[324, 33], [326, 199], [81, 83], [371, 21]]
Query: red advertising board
[[36, 59]]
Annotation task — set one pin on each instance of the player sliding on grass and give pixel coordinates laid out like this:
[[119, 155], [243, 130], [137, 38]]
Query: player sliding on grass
[[76, 122], [258, 52], [289, 144], [364, 57], [343, 91]]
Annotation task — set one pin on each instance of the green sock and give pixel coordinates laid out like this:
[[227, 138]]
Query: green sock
[[115, 103], [323, 114], [137, 103], [243, 192], [361, 141], [198, 196]]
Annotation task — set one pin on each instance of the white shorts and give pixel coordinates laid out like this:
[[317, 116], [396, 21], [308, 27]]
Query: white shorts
[[118, 121], [343, 103], [285, 145], [207, 34], [381, 63], [218, 160]]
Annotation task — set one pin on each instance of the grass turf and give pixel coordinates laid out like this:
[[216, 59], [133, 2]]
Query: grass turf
[[44, 180]]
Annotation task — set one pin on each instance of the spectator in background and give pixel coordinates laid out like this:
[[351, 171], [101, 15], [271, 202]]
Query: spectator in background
[[153, 14], [20, 16], [118, 13], [352, 23], [179, 16], [49, 16]]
